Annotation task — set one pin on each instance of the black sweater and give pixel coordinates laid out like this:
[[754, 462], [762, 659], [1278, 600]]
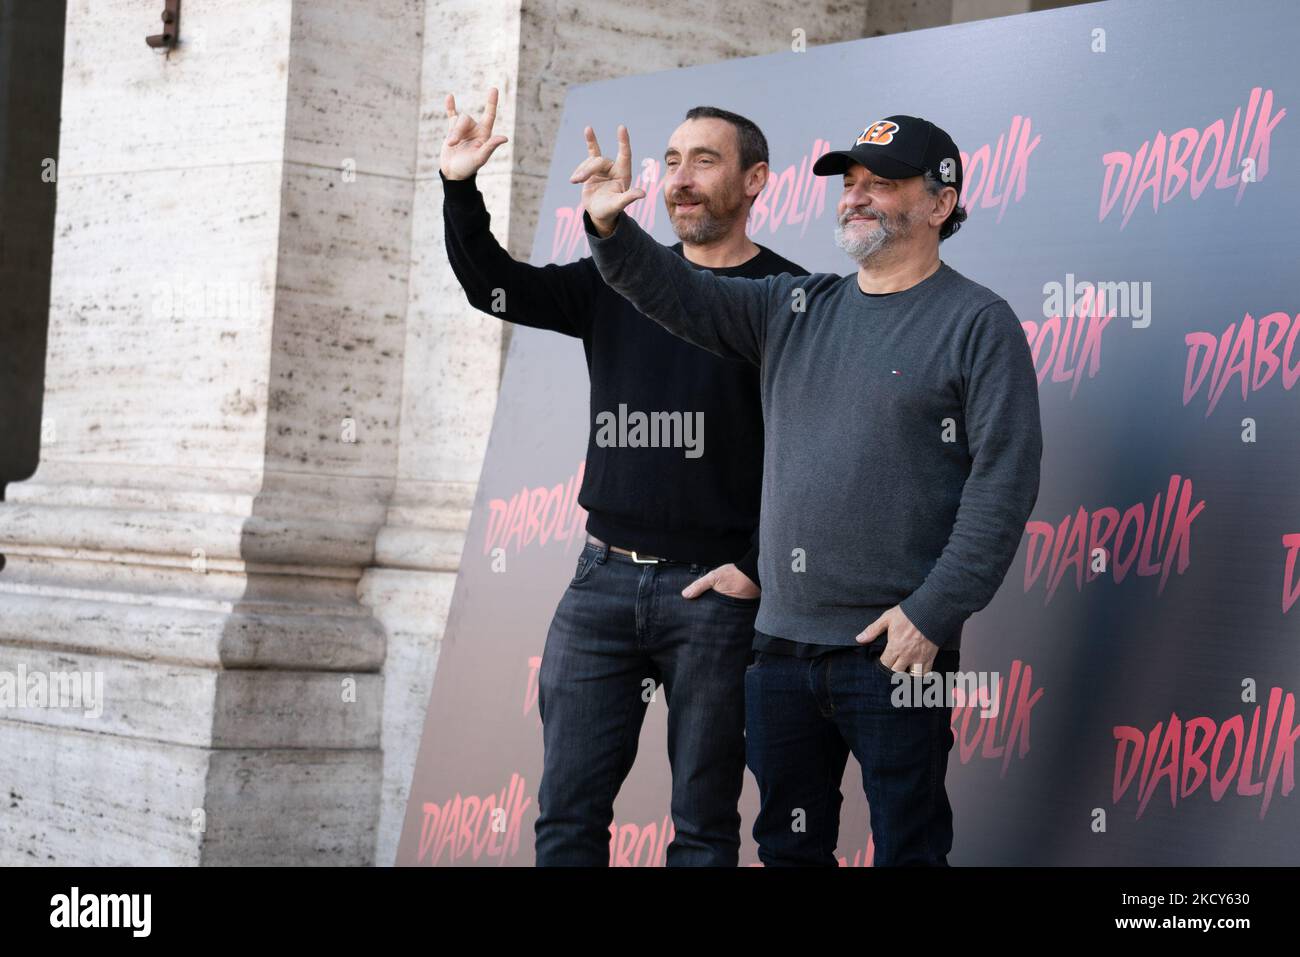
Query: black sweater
[[661, 501]]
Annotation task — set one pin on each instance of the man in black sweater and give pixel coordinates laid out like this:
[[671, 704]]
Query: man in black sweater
[[666, 587]]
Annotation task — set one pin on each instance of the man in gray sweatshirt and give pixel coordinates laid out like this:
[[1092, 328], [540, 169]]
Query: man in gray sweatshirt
[[902, 449]]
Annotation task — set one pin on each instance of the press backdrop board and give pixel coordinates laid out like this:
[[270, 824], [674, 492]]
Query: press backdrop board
[[1147, 710]]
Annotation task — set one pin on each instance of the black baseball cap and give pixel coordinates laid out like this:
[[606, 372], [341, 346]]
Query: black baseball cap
[[899, 147]]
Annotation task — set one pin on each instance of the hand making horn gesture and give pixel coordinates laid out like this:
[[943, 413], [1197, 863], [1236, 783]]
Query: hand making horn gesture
[[468, 144], [606, 183]]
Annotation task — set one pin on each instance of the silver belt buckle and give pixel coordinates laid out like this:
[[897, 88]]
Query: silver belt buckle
[[644, 561]]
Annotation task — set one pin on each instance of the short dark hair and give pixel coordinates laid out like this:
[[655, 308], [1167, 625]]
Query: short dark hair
[[752, 142], [958, 214]]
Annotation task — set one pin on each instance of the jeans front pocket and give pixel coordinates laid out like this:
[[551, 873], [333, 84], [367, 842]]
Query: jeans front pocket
[[586, 562], [742, 602]]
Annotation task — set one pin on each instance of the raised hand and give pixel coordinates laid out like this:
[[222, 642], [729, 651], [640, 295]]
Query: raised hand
[[468, 144], [606, 183]]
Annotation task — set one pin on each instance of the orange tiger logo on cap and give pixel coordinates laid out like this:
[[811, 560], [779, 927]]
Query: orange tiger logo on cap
[[878, 133]]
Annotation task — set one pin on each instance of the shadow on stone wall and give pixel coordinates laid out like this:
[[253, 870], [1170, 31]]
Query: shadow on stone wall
[[31, 78]]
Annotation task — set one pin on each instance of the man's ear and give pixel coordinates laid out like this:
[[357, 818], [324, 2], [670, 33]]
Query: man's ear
[[755, 179], [945, 203]]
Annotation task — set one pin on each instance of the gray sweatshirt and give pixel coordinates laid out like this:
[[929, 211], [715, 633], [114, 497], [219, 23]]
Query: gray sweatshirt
[[902, 435]]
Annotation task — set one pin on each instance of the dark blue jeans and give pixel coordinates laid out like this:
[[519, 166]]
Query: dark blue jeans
[[803, 718], [618, 624]]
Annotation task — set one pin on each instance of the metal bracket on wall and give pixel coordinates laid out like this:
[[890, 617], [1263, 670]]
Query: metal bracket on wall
[[171, 18]]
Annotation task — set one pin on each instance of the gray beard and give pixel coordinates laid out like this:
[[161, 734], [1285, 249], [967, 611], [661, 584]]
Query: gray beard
[[703, 230], [863, 249]]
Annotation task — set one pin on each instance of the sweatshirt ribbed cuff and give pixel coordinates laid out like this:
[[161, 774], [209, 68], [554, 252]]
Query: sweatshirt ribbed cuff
[[455, 190], [932, 616]]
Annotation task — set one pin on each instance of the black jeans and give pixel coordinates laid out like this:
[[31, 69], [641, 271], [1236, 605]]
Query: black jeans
[[622, 628], [804, 716]]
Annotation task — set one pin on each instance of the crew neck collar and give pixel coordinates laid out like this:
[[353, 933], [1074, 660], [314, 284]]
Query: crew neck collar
[[890, 300], [738, 269]]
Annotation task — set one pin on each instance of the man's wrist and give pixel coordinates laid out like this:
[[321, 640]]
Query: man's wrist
[[602, 229]]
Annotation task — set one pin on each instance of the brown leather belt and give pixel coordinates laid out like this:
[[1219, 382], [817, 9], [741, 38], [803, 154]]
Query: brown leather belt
[[636, 556]]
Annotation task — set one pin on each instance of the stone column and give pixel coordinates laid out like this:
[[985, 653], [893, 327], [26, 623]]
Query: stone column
[[964, 11], [223, 386]]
